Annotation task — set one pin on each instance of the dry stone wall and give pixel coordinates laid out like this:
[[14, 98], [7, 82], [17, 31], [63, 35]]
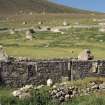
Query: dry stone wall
[[19, 73]]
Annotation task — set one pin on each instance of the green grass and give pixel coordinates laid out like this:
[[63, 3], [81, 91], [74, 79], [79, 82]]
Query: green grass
[[41, 96], [42, 99], [59, 45], [88, 100], [5, 92]]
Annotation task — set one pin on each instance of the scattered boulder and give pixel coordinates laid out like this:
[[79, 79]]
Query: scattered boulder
[[47, 45], [32, 30], [96, 86], [61, 99], [45, 28], [67, 97], [12, 31], [55, 30], [54, 86], [101, 41], [48, 28], [85, 55], [16, 93], [102, 30], [24, 23], [40, 23], [65, 23], [24, 96], [62, 33], [102, 86], [26, 88], [49, 82], [23, 92], [39, 87]]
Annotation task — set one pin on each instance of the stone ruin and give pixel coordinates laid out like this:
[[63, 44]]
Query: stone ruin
[[29, 34], [65, 23], [24, 23], [40, 23], [94, 20], [76, 23], [3, 55], [31, 13], [12, 31], [55, 30], [45, 28], [101, 24], [102, 29], [85, 55], [18, 72]]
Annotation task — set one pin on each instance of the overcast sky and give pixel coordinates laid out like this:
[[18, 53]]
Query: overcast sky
[[94, 5]]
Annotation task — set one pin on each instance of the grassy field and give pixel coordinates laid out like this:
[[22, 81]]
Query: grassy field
[[44, 100], [53, 45]]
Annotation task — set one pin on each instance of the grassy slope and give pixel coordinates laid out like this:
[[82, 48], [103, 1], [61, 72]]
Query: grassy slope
[[14, 6], [59, 45]]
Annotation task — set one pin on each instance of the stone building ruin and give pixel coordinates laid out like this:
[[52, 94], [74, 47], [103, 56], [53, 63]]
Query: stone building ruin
[[85, 55], [16, 72], [29, 34]]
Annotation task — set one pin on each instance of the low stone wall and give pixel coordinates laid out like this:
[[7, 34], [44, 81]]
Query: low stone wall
[[16, 73], [82, 69]]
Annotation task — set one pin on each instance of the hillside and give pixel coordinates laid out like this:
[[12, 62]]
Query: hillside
[[38, 6]]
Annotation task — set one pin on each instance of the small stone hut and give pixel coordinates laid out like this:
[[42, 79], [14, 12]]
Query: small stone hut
[[85, 55], [29, 35]]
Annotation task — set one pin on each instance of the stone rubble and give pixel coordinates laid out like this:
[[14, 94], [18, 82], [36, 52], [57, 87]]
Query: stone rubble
[[23, 92], [66, 92], [62, 92]]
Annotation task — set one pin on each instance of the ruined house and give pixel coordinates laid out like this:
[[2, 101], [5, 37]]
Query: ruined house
[[85, 55]]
